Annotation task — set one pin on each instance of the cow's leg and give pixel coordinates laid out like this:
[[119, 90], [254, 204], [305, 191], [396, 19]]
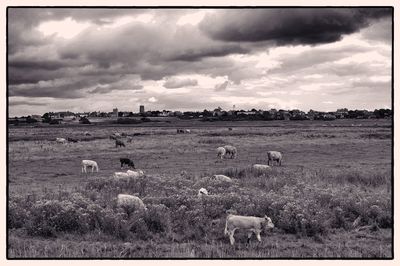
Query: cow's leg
[[226, 231], [258, 236], [231, 238], [249, 236]]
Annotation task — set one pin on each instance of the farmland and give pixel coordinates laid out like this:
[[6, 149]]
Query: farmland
[[332, 173]]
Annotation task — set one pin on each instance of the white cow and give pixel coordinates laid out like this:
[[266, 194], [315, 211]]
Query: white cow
[[231, 150], [61, 140], [89, 163], [128, 175], [222, 178], [261, 167], [130, 203], [250, 223], [202, 192], [135, 174], [221, 152], [121, 175], [187, 131], [274, 156]]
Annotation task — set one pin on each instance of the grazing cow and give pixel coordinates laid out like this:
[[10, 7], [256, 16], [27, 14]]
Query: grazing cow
[[180, 131], [221, 152], [126, 161], [87, 133], [202, 192], [230, 150], [61, 140], [221, 178], [250, 223], [261, 167], [121, 175], [119, 143], [89, 163], [72, 139], [274, 156], [130, 203], [187, 131], [230, 129], [135, 174]]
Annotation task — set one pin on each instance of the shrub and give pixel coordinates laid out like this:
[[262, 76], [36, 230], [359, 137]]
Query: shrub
[[51, 216], [17, 214], [157, 218]]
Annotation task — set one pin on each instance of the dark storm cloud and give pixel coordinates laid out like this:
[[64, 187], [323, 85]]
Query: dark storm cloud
[[195, 55], [174, 83], [289, 26]]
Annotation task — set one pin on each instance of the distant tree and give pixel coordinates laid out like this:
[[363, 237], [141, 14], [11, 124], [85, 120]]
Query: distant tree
[[266, 115], [31, 120], [84, 120], [206, 113], [46, 118], [382, 113]]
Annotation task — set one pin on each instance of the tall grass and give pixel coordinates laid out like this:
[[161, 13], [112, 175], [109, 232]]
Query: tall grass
[[297, 205]]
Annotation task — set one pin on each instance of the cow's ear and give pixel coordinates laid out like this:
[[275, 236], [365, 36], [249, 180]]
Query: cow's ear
[[266, 217]]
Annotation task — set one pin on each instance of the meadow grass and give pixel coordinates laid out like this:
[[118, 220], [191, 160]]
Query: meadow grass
[[324, 185]]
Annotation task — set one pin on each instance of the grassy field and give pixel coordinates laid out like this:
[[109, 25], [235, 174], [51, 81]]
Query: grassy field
[[332, 173]]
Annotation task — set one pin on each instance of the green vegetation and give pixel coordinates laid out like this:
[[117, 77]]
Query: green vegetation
[[330, 198]]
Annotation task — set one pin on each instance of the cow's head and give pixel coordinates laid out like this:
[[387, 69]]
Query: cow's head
[[268, 223]]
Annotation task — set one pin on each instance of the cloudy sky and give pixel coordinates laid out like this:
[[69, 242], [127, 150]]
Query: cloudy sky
[[196, 59]]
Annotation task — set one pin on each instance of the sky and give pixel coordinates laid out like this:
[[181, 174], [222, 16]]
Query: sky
[[79, 60]]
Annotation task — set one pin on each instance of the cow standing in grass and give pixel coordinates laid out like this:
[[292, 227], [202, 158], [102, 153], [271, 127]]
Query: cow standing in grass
[[274, 156], [231, 151], [72, 139], [91, 164], [249, 223], [126, 161], [221, 152], [119, 143], [61, 140]]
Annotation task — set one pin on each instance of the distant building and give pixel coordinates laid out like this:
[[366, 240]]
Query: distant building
[[141, 109], [115, 112]]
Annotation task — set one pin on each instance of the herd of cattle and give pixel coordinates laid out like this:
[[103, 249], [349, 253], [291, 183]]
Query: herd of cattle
[[233, 222]]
